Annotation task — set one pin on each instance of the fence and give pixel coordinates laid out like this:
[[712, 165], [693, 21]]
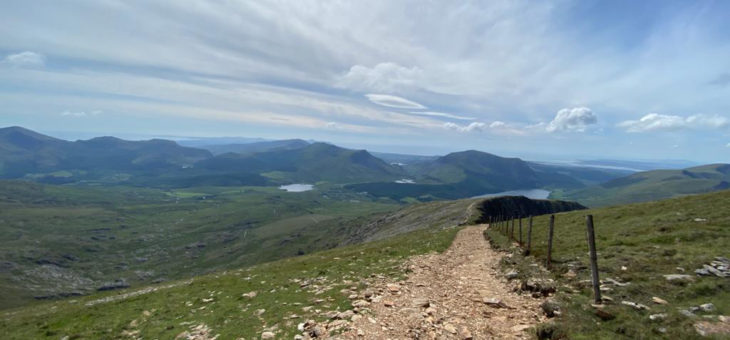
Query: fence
[[505, 224]]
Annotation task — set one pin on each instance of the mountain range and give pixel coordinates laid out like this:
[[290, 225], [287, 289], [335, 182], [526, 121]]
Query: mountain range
[[25, 154]]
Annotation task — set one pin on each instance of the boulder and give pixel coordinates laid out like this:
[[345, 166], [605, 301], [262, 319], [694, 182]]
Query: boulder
[[550, 307], [707, 307]]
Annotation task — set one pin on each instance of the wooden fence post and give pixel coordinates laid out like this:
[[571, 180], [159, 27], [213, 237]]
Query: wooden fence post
[[512, 232], [529, 237], [520, 242], [594, 259], [550, 242]]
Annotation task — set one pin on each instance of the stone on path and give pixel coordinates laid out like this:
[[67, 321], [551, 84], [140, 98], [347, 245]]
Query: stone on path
[[494, 302], [450, 328]]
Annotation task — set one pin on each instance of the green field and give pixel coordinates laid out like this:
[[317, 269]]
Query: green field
[[58, 241], [637, 244]]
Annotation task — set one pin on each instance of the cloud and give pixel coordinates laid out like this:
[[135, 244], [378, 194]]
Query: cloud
[[393, 101], [69, 113], [660, 122], [707, 121], [497, 124], [472, 127], [383, 77], [502, 128], [25, 59], [572, 119], [441, 114]]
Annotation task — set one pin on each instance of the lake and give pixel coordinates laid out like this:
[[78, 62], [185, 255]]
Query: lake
[[297, 187], [535, 194]]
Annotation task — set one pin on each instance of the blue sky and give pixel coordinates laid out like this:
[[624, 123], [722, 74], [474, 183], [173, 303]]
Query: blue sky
[[536, 79]]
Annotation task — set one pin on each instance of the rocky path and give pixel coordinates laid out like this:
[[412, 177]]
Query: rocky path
[[459, 294]]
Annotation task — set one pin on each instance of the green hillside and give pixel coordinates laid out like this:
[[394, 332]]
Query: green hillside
[[654, 185], [60, 241], [283, 288], [637, 245]]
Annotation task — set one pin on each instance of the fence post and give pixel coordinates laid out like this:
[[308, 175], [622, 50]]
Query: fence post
[[529, 237], [512, 232], [520, 242], [594, 259], [550, 242]]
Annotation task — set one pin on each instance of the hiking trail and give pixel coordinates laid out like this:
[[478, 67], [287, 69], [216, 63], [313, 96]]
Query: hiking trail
[[459, 294]]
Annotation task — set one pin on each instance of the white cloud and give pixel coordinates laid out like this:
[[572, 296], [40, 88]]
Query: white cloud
[[497, 124], [73, 113], [572, 119], [441, 114], [496, 127], [25, 59], [69, 113], [472, 127], [393, 101], [383, 77], [707, 121], [660, 122], [502, 128]]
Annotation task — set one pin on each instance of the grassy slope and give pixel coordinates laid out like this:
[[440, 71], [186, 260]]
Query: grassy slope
[[650, 239], [653, 185], [174, 310], [59, 240]]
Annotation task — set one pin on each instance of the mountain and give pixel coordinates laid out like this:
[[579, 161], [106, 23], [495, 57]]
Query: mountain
[[490, 172], [654, 185], [456, 175], [264, 146], [312, 163], [116, 154], [208, 141], [403, 159], [24, 151], [638, 165], [562, 177], [27, 153]]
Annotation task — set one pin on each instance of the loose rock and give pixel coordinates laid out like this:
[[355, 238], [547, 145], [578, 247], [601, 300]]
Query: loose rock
[[659, 300], [679, 278]]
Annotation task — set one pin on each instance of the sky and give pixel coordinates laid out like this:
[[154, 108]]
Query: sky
[[536, 79]]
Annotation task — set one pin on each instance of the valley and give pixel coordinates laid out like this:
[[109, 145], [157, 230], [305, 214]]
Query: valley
[[147, 223], [60, 241]]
